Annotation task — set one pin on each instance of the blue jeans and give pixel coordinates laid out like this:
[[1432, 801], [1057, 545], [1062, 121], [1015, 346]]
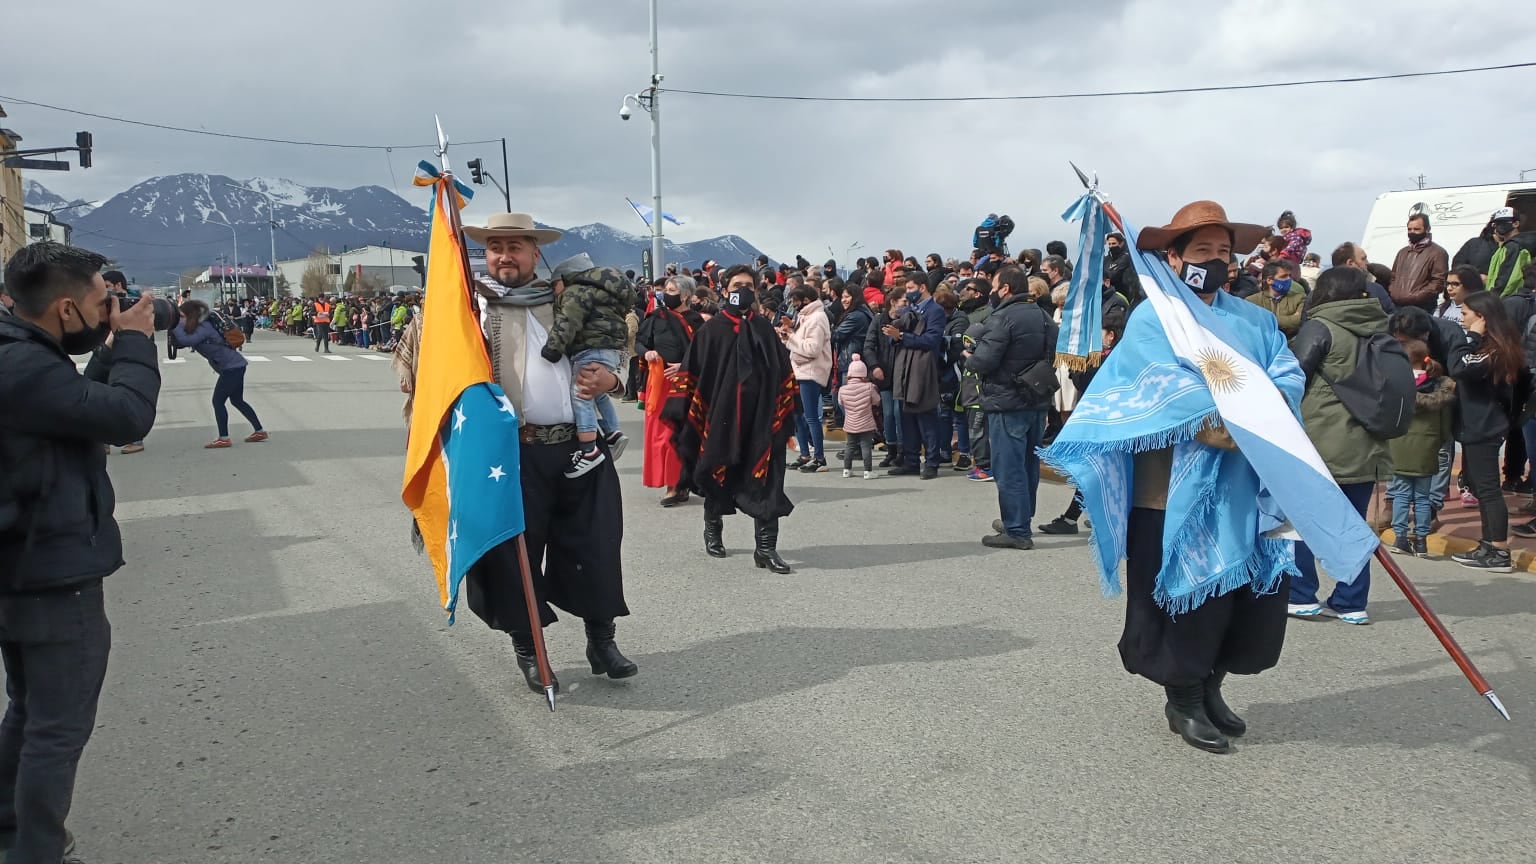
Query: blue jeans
[[890, 413], [587, 411], [1014, 437], [920, 428], [1441, 484], [1345, 598], [362, 338], [808, 421], [231, 388], [1410, 497]]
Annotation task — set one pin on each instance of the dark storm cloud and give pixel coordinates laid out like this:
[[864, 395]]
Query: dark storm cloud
[[798, 177]]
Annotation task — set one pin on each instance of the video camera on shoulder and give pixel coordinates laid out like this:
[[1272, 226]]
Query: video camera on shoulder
[[991, 236]]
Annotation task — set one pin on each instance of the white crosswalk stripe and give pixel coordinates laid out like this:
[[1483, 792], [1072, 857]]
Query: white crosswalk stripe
[[373, 357], [261, 358], [295, 358], [169, 362], [337, 357]]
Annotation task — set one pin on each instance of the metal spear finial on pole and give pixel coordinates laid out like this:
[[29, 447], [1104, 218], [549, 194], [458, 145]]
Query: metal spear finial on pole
[[535, 622], [1415, 599]]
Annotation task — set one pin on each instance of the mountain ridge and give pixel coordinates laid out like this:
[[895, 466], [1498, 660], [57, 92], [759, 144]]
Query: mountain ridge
[[165, 225]]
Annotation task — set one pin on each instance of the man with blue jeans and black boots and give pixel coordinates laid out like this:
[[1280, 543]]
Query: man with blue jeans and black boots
[[58, 537], [1018, 335]]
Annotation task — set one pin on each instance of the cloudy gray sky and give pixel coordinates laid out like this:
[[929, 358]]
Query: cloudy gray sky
[[798, 177]]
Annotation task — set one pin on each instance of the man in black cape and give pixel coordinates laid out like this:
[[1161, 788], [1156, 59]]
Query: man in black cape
[[731, 414]]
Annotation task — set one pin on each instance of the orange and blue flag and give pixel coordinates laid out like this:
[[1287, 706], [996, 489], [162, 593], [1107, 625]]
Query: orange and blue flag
[[462, 481]]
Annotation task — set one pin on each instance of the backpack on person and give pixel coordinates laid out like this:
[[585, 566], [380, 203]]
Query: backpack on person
[[233, 335], [1379, 392]]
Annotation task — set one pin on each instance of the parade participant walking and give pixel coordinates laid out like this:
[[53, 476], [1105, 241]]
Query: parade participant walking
[[197, 333], [322, 325], [732, 413], [1206, 592], [574, 525], [663, 340]]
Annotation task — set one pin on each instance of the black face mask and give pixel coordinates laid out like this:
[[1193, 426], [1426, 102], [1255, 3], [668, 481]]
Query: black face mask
[[86, 339], [1116, 251], [1415, 238], [671, 301], [1204, 277], [739, 300]]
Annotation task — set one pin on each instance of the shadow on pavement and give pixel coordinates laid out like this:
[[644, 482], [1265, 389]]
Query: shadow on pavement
[[860, 556], [1421, 713], [730, 671], [1504, 595]]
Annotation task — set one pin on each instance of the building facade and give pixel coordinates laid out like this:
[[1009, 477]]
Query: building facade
[[13, 221]]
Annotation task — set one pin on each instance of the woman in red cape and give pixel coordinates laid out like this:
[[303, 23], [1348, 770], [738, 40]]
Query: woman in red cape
[[662, 341]]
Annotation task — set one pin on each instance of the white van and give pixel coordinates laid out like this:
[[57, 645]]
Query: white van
[[1456, 215]]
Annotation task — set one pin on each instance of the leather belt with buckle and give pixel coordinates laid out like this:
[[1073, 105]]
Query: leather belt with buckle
[[556, 434]]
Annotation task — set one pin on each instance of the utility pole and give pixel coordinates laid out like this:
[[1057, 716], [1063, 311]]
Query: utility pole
[[505, 176], [650, 100], [1419, 180]]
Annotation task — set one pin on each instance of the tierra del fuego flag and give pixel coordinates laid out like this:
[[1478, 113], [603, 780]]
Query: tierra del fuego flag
[[462, 481]]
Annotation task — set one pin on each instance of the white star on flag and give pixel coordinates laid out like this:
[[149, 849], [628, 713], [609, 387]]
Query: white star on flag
[[453, 532], [458, 418], [497, 473], [506, 404]]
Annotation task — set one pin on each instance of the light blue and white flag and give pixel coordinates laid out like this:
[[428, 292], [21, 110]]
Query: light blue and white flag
[[647, 214], [1183, 367], [1080, 341]]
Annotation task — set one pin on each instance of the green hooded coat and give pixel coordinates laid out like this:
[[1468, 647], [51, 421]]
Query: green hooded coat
[[1351, 453]]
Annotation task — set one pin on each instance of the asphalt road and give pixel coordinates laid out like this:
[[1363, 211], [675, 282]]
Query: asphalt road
[[284, 688]]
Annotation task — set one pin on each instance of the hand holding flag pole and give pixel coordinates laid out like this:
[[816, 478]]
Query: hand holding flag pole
[[1459, 656], [535, 624]]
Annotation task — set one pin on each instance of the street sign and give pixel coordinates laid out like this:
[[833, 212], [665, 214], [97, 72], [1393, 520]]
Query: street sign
[[35, 164]]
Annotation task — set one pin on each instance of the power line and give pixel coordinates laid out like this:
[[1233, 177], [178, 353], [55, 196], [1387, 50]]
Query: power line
[[1101, 94], [169, 128], [80, 234]]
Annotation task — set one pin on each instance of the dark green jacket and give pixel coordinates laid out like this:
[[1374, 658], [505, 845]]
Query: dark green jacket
[[590, 314], [1327, 344], [1417, 453]]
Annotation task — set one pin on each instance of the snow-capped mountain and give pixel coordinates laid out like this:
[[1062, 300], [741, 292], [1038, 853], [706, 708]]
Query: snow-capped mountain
[[167, 225], [40, 196]]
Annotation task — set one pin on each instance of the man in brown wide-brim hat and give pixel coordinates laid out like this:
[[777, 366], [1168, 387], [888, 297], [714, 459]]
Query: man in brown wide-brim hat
[[1242, 630], [574, 525]]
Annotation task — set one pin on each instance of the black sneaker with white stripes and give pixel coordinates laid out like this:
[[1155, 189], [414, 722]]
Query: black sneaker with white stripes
[[584, 461]]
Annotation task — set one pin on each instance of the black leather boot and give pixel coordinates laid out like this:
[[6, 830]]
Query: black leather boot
[[1187, 717], [603, 654], [528, 661], [714, 542], [767, 552], [1216, 708]]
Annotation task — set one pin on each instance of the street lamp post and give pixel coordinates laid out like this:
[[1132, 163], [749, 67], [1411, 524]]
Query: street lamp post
[[271, 231], [650, 101], [236, 238]]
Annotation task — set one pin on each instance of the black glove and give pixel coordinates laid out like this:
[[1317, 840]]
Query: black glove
[[550, 354]]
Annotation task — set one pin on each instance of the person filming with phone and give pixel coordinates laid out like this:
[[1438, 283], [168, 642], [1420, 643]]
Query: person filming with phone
[[58, 536]]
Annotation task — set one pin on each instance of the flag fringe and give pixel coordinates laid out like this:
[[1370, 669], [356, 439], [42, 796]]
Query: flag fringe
[[1079, 363]]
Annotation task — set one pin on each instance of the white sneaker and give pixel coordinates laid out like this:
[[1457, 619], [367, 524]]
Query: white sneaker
[[847, 473], [869, 475], [1347, 617], [1304, 610]]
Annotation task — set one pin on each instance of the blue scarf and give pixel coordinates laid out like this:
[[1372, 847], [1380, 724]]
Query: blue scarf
[[1144, 399]]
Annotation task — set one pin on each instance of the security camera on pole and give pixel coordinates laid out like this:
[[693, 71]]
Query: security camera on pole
[[649, 100]]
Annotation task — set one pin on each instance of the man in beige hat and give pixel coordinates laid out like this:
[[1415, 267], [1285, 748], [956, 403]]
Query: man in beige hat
[[575, 525], [1205, 591]]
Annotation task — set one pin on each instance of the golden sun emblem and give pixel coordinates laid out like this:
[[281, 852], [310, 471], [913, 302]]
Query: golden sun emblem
[[1219, 371]]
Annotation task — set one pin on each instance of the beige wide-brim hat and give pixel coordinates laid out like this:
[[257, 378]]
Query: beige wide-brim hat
[[1196, 215], [511, 225]]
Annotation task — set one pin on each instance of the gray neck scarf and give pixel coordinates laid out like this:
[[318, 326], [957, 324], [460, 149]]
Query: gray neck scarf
[[536, 293]]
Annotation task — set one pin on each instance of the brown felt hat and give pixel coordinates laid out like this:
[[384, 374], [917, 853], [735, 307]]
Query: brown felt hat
[[1198, 215]]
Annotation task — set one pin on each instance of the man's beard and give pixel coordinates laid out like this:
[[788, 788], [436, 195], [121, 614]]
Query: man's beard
[[521, 279]]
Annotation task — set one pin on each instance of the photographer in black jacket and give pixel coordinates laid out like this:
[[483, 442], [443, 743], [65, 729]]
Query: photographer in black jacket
[[1019, 335], [58, 538]]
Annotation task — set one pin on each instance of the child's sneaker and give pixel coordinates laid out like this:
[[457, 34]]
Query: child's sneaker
[[869, 475], [1421, 547], [1526, 529], [1468, 499], [847, 473], [617, 442], [584, 461], [1401, 546]]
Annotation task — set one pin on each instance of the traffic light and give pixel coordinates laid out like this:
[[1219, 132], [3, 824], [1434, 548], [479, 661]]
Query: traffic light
[[476, 173], [419, 264], [83, 141]]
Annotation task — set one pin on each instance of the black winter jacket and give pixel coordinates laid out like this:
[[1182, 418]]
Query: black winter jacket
[[662, 331], [880, 353], [1018, 334], [1483, 407], [53, 425]]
